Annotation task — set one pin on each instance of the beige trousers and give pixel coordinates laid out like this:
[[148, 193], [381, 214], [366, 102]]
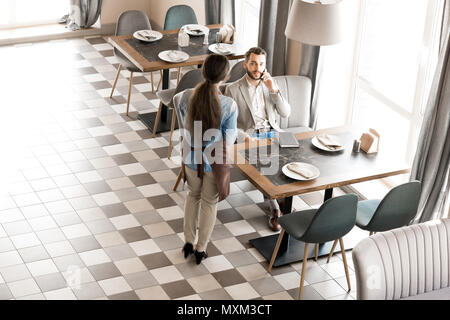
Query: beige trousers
[[200, 209]]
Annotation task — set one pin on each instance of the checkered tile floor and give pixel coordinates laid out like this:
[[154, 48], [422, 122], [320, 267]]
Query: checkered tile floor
[[87, 209]]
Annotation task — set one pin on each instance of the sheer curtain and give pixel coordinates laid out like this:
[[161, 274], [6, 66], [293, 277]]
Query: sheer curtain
[[432, 161], [83, 13]]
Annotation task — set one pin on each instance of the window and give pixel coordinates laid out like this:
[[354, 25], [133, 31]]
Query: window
[[247, 21], [21, 13], [395, 64]]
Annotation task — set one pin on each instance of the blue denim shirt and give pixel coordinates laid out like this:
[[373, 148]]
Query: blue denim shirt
[[228, 127]]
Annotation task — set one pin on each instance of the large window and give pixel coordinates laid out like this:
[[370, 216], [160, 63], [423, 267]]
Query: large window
[[247, 21], [395, 64], [20, 13]]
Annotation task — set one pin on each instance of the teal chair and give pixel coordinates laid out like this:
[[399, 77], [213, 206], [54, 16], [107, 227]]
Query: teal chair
[[176, 17], [332, 221], [396, 210]]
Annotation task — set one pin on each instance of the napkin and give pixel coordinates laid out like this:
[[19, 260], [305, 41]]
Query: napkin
[[175, 56], [227, 32], [304, 172], [329, 142], [223, 50], [194, 30]]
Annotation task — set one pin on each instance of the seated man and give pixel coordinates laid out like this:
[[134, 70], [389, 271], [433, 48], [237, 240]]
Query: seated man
[[259, 101]]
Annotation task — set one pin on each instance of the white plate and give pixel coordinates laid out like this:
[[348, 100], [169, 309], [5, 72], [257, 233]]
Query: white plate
[[189, 27], [165, 56], [296, 176], [154, 35], [323, 147], [223, 48]]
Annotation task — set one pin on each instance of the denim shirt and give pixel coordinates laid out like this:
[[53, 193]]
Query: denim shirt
[[228, 127]]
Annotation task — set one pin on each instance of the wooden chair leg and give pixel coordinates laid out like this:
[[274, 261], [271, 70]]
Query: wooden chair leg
[[172, 128], [178, 76], [344, 258], [332, 250], [160, 79], [115, 80], [158, 115], [316, 252], [275, 251], [151, 79], [180, 175], [302, 279], [130, 87]]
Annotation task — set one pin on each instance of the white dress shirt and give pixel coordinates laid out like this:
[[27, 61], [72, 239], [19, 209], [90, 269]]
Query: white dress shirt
[[258, 106]]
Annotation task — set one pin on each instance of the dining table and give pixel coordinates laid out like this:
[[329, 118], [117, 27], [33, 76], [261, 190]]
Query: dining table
[[145, 56], [262, 162]]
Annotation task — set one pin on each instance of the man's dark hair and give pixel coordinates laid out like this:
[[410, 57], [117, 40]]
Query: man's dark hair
[[255, 50]]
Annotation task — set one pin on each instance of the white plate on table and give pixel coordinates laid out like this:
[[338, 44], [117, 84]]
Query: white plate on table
[[222, 48], [148, 35], [323, 147], [195, 29], [296, 176], [169, 56]]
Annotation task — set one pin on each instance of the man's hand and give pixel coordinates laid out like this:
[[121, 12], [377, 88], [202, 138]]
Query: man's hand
[[268, 82]]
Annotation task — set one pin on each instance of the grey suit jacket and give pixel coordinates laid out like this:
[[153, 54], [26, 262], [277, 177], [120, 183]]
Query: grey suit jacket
[[276, 105]]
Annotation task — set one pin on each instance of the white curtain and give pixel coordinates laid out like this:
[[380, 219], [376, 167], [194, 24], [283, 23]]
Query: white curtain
[[83, 13]]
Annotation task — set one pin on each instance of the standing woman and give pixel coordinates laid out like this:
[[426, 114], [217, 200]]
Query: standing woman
[[207, 108]]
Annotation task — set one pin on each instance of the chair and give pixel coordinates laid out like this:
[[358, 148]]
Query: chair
[[236, 72], [189, 80], [396, 210], [333, 220], [410, 263], [176, 17], [128, 23], [176, 103], [297, 91]]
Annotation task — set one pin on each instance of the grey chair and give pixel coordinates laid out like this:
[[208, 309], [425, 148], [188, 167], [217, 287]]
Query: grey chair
[[176, 17], [176, 102], [333, 220], [297, 91], [236, 72], [129, 22], [189, 80], [396, 210]]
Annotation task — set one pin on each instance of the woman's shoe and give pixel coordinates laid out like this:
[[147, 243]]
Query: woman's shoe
[[188, 249], [199, 256]]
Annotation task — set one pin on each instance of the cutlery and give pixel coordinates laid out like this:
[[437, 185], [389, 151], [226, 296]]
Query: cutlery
[[145, 36]]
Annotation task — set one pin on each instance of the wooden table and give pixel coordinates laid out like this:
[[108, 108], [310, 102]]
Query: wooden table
[[337, 169], [144, 56]]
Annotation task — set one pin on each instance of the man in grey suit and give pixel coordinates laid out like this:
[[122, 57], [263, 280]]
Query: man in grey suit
[[260, 104]]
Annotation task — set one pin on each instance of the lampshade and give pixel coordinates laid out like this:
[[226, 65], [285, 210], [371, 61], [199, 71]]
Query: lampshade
[[314, 23]]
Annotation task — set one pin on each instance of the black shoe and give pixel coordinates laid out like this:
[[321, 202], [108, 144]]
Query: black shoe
[[199, 256], [188, 249]]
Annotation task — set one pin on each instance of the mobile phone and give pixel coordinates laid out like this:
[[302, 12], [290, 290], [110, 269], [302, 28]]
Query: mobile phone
[[262, 74]]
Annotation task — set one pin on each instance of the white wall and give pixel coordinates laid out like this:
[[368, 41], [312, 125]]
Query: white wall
[[155, 9]]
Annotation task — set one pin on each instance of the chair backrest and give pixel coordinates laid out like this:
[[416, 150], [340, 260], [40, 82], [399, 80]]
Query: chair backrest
[[178, 16], [397, 208], [404, 262], [131, 21], [236, 72], [297, 91], [333, 220], [189, 80]]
